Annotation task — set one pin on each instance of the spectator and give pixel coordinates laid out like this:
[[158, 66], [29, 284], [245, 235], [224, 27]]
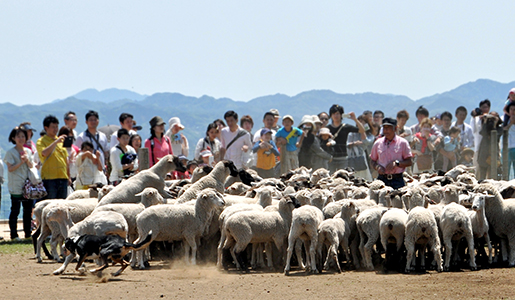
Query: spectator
[[209, 142], [287, 136], [266, 152], [510, 99], [475, 124], [318, 124], [403, 130], [326, 142], [206, 158], [70, 121], [277, 116], [54, 158], [126, 122], [179, 141], [391, 155], [451, 146], [89, 167], [249, 157], [467, 156], [221, 125], [158, 143], [268, 122], [247, 123], [466, 134], [421, 114], [511, 138], [357, 144], [235, 140], [378, 117], [124, 159], [29, 144], [324, 118], [340, 131], [445, 128], [424, 146], [18, 160], [72, 152], [191, 166], [135, 142], [489, 122], [311, 154], [96, 138], [437, 121]]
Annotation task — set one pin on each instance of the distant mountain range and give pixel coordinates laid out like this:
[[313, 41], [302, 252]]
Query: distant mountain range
[[197, 113]]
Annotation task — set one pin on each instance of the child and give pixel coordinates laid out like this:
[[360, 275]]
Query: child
[[451, 144], [288, 136], [207, 158], [466, 157], [124, 159], [266, 152], [89, 167], [424, 147], [326, 143], [181, 175], [509, 99], [191, 166]]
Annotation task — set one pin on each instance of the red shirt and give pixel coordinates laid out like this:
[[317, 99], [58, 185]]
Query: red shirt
[[384, 152], [160, 149]]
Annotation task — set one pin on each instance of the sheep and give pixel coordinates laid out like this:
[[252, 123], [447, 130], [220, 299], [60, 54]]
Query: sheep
[[455, 223], [248, 227], [333, 208], [305, 222], [349, 214], [237, 188], [38, 211], [367, 223], [154, 177], [501, 218], [318, 175], [80, 194], [247, 176], [200, 172], [215, 180], [392, 229], [99, 224], [479, 221], [186, 222], [421, 228], [333, 232], [52, 221]]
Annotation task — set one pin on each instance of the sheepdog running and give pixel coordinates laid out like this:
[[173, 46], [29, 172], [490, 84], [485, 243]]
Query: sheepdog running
[[107, 247]]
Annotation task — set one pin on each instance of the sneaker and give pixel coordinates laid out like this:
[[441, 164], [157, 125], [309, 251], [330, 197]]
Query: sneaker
[[16, 239]]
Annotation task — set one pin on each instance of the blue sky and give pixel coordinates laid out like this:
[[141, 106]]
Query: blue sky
[[246, 49]]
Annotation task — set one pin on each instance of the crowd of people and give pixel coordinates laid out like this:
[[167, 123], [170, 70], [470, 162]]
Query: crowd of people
[[375, 146]]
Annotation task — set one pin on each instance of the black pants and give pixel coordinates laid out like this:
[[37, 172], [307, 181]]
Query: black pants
[[16, 203]]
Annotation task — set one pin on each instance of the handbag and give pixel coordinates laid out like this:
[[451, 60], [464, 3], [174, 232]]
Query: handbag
[[358, 163], [34, 191]]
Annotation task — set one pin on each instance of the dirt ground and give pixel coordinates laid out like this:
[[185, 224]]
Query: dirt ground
[[22, 278]]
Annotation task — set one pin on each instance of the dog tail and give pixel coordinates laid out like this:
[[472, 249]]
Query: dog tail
[[143, 244]]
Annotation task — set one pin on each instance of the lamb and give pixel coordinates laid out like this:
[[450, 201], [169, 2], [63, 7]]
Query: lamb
[[305, 222], [99, 224], [248, 177], [81, 194], [237, 188], [501, 218], [52, 221], [154, 177], [368, 227], [184, 222], [421, 228], [200, 172], [248, 227], [333, 232], [333, 208], [479, 221], [392, 228], [215, 179]]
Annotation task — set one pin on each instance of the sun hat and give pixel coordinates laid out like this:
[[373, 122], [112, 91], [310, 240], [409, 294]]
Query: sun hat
[[307, 119], [275, 112], [205, 153], [325, 131], [288, 117], [175, 121], [155, 121]]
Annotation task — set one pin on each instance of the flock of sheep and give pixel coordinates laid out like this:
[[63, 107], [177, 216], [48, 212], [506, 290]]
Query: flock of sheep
[[328, 221]]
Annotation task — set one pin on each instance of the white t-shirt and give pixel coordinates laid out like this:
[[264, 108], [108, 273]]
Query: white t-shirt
[[115, 158], [234, 153], [102, 140], [114, 138]]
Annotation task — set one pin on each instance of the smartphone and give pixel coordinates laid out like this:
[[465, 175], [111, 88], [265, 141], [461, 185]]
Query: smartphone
[[68, 142], [366, 126], [345, 116], [176, 137]]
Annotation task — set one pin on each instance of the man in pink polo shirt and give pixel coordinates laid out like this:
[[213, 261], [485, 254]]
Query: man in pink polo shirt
[[390, 155]]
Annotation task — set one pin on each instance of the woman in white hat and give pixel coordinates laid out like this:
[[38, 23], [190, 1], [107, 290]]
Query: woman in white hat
[[179, 141]]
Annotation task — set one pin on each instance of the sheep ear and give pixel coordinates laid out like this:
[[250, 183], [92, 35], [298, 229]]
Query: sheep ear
[[139, 194]]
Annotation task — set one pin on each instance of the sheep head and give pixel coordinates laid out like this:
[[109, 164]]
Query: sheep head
[[231, 167], [150, 196]]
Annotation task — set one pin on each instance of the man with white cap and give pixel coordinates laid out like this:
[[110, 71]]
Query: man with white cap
[[391, 155], [179, 141]]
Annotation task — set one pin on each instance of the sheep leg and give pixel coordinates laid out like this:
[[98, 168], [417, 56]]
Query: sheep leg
[[186, 252], [268, 250], [362, 247], [447, 241], [367, 249], [194, 248], [504, 250], [472, 252], [435, 246], [235, 258], [54, 241], [298, 253], [312, 253], [354, 252], [410, 248], [291, 244], [511, 244], [220, 250], [334, 251], [260, 256], [45, 232]]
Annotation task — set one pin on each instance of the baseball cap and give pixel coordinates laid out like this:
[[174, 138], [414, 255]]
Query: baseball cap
[[265, 131], [288, 117], [389, 122]]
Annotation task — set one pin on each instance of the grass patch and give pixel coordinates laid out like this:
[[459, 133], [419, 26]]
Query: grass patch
[[12, 247]]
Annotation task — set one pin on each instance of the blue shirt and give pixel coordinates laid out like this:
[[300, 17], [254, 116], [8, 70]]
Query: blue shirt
[[290, 145]]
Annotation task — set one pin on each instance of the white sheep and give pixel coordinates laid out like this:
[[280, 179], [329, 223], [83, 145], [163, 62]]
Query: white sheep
[[183, 222], [367, 223], [421, 228], [99, 224], [333, 233], [305, 222], [265, 226], [455, 223], [154, 177], [392, 228], [318, 175], [479, 221], [237, 188], [215, 179]]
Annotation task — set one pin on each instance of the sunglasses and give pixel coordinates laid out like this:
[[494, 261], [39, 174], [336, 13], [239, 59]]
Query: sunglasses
[[324, 119]]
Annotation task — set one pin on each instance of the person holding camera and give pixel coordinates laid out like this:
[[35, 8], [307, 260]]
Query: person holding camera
[[179, 141]]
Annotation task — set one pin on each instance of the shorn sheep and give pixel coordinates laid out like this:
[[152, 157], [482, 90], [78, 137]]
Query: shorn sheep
[[248, 227], [421, 229], [215, 179], [368, 227], [480, 225], [154, 177], [181, 222], [392, 228], [333, 233]]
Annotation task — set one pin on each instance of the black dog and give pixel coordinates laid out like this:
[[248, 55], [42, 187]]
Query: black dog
[[107, 247]]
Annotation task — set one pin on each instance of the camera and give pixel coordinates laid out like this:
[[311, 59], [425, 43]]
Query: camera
[[176, 137], [68, 142], [476, 112], [345, 116]]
